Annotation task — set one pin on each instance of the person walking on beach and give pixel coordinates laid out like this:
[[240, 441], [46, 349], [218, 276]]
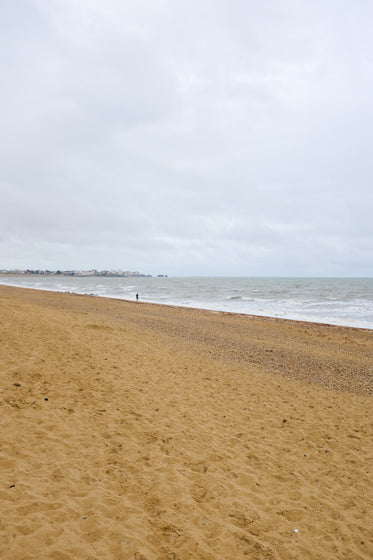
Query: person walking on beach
[[137, 297]]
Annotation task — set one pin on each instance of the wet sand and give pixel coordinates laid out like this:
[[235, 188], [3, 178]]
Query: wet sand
[[144, 432]]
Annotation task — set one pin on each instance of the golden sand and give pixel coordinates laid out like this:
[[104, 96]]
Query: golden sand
[[145, 432]]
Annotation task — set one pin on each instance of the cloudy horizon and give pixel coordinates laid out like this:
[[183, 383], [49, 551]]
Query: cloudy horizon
[[187, 138]]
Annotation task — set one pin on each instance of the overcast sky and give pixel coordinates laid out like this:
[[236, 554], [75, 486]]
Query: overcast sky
[[187, 137]]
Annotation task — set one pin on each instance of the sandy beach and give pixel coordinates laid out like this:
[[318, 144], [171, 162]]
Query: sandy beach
[[145, 432]]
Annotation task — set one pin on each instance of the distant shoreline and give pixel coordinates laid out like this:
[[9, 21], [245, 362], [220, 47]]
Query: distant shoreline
[[77, 274]]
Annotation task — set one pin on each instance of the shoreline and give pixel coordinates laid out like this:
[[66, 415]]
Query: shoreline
[[303, 320], [141, 431], [274, 327]]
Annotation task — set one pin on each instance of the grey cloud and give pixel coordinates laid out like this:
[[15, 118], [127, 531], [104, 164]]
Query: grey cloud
[[198, 137]]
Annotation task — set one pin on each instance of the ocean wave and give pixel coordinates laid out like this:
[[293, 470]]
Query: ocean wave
[[349, 301]]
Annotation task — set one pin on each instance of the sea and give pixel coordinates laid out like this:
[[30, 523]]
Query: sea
[[337, 301]]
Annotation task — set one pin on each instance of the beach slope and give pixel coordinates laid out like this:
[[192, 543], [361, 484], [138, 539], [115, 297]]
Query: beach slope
[[145, 432]]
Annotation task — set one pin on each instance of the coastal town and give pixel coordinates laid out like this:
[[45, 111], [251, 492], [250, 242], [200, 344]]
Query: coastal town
[[82, 273]]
